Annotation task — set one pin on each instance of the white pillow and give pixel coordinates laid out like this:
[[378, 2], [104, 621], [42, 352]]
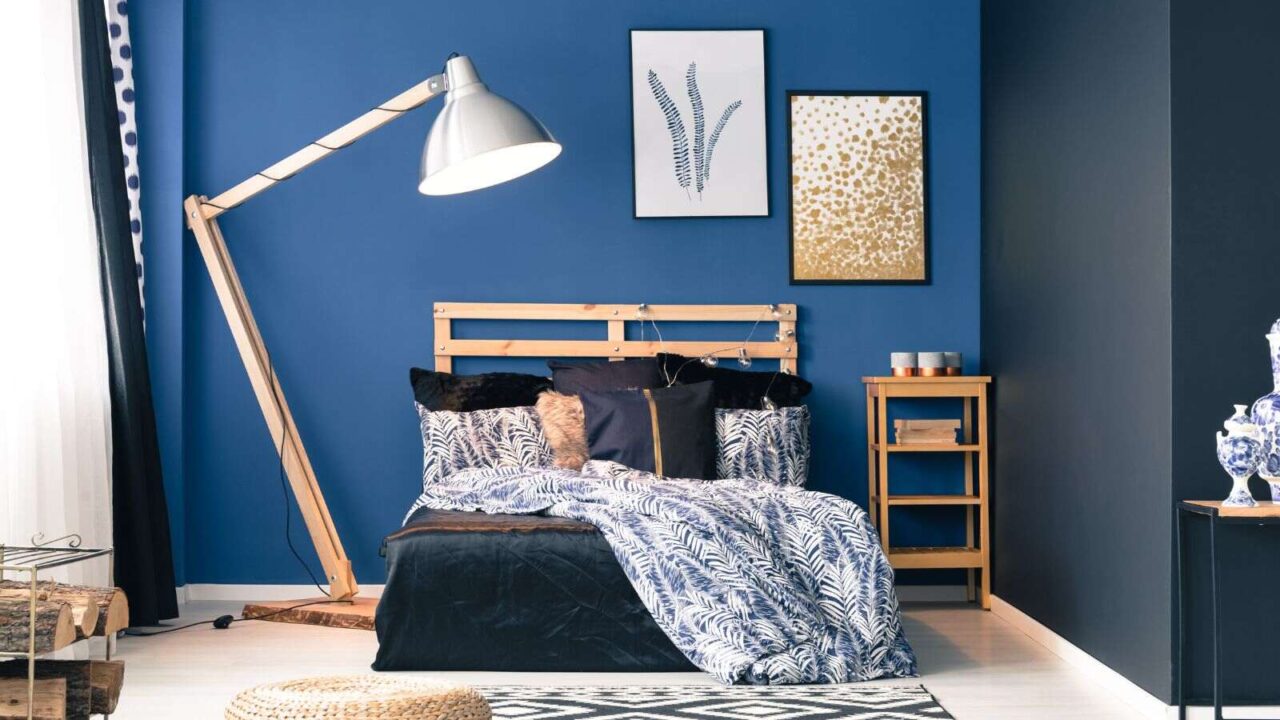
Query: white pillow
[[502, 437]]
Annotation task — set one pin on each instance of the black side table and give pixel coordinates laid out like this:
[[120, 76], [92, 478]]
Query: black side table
[[1266, 513]]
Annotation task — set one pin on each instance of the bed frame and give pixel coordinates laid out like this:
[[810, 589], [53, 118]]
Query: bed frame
[[781, 344]]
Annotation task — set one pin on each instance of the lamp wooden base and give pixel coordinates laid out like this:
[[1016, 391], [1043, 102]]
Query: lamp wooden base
[[354, 614]]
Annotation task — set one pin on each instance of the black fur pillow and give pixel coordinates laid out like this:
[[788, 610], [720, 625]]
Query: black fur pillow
[[738, 389], [465, 393]]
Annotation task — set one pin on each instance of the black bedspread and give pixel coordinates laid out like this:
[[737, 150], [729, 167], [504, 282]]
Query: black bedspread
[[471, 591]]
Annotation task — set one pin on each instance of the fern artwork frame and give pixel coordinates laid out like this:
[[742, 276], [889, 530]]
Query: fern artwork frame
[[698, 106]]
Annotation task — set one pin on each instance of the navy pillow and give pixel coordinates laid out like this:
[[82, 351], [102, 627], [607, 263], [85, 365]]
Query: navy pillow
[[576, 378], [467, 393], [737, 389], [666, 431]]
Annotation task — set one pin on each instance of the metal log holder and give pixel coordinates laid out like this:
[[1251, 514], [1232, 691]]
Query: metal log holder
[[41, 556]]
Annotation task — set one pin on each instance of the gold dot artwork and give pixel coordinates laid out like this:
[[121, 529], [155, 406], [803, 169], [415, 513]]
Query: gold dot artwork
[[857, 188]]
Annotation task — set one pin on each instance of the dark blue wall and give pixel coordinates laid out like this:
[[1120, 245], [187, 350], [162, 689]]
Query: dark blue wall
[[1226, 253], [1076, 313], [343, 262]]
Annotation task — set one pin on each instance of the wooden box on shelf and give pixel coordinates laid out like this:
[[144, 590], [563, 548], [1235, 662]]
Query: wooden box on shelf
[[925, 432], [914, 436]]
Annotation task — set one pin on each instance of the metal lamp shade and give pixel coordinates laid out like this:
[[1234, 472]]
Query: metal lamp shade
[[480, 139]]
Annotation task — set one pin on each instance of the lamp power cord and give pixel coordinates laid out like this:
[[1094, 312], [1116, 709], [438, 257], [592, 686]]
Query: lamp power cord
[[222, 622]]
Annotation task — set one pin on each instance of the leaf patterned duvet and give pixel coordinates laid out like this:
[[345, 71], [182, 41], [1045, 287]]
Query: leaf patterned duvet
[[753, 582]]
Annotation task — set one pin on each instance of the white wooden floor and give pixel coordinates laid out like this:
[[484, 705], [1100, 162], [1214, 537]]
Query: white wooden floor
[[977, 665]]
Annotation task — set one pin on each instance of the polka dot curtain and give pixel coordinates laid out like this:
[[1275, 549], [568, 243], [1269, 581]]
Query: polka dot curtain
[[122, 73]]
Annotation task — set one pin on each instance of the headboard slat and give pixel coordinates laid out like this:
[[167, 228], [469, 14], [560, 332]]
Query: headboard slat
[[606, 348], [558, 311]]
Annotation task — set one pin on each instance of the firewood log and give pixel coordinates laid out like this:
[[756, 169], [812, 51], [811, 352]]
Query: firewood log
[[113, 606], [54, 627], [108, 679], [78, 675], [84, 611], [50, 701]]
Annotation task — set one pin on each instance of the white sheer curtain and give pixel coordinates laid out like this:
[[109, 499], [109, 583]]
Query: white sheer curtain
[[55, 419]]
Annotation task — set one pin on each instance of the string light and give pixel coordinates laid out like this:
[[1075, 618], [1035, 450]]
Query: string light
[[711, 359]]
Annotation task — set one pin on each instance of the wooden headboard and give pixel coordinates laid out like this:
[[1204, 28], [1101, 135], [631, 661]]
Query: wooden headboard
[[777, 327]]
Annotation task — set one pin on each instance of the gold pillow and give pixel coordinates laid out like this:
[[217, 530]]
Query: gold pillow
[[565, 427]]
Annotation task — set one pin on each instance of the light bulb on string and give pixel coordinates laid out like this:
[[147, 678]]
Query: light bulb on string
[[767, 404], [710, 360], [743, 358]]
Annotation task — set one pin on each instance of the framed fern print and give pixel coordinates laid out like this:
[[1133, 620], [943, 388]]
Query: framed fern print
[[698, 123], [859, 181]]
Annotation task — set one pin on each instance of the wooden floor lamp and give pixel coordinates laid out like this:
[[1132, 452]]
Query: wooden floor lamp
[[478, 140]]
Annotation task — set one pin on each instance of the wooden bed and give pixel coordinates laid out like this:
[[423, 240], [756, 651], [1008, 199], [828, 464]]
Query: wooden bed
[[474, 591]]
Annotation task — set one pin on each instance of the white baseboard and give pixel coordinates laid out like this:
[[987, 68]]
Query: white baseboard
[[196, 592], [218, 592], [1141, 701], [932, 593]]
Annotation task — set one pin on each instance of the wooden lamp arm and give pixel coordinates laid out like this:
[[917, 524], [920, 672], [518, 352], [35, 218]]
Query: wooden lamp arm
[[314, 152], [201, 213]]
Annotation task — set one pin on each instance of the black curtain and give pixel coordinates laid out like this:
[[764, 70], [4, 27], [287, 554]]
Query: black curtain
[[144, 557]]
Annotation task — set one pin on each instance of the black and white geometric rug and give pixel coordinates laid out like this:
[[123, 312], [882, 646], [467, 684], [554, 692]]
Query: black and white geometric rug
[[701, 702]]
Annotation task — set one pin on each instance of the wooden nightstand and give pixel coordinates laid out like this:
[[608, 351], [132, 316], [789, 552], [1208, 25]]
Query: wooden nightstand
[[973, 556]]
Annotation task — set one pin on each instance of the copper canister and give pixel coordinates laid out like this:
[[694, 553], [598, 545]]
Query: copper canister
[[903, 364]]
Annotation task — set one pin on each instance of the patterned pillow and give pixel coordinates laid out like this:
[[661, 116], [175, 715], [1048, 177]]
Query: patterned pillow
[[497, 438], [768, 445]]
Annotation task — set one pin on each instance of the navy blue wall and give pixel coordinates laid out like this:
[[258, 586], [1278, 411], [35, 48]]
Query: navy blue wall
[[343, 262], [1077, 320], [1225, 256]]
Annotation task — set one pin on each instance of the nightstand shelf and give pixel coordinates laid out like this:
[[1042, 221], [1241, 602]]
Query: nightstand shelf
[[896, 448], [895, 500], [911, 558], [974, 555]]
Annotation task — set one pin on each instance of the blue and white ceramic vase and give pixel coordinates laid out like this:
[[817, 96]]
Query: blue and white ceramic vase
[[1266, 415], [1240, 453]]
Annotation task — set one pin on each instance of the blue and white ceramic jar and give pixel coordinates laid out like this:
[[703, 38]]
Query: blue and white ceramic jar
[[1266, 415], [1240, 454]]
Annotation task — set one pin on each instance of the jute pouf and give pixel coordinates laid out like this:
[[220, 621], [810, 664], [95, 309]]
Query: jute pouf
[[358, 697]]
